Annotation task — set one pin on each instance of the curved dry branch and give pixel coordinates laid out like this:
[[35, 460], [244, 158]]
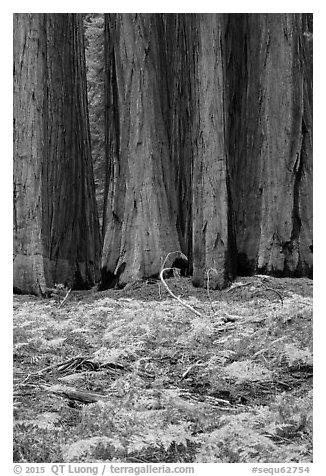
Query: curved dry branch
[[208, 293], [236, 286], [173, 295], [183, 256], [65, 298], [275, 291]]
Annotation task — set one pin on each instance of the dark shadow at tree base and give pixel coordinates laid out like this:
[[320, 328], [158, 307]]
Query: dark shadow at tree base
[[20, 291], [246, 267], [108, 280], [182, 265]]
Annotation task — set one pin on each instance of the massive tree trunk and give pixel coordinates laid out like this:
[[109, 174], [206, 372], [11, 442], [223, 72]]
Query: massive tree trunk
[[165, 123], [209, 147], [141, 213], [212, 226], [270, 141], [196, 118], [215, 110], [56, 233], [29, 65], [179, 115]]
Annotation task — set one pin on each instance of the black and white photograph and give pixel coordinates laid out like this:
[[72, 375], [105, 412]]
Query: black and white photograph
[[162, 240]]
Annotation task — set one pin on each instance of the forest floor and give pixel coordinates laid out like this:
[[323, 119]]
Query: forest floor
[[134, 376]]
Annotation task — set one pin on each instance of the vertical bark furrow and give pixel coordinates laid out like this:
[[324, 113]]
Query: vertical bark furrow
[[208, 142], [265, 145], [28, 273], [141, 216], [58, 216], [210, 205]]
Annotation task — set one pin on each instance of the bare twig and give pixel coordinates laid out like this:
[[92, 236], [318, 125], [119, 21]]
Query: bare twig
[[65, 299], [225, 317], [269, 346], [196, 364], [264, 288], [54, 366], [262, 283], [25, 379], [230, 317], [174, 296], [184, 257], [277, 292], [233, 287], [75, 394], [225, 328], [208, 293]]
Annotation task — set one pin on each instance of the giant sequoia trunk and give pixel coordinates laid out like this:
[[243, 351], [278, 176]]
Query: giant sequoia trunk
[[270, 141], [212, 227], [56, 233], [167, 186], [196, 121], [141, 212], [208, 140], [209, 144], [179, 108]]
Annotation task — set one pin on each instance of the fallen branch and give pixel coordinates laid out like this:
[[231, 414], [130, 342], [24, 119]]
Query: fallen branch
[[74, 394], [264, 288], [236, 286], [262, 284], [226, 317], [208, 293], [184, 257], [174, 296], [63, 364], [277, 292], [230, 317], [64, 299], [224, 328], [195, 397], [269, 346], [186, 373]]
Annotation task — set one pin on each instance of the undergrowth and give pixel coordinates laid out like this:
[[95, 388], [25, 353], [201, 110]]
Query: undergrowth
[[172, 386]]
